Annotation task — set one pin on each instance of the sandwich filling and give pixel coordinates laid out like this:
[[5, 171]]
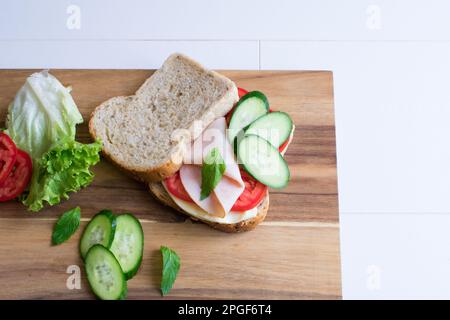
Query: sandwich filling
[[235, 197], [229, 187], [195, 211]]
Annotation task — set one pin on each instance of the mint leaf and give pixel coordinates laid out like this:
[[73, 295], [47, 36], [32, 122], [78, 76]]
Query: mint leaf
[[66, 226], [212, 171], [171, 266]]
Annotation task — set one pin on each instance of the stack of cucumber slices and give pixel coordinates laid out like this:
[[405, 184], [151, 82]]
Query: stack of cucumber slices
[[111, 247], [257, 133]]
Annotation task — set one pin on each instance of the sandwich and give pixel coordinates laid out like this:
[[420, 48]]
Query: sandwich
[[200, 144]]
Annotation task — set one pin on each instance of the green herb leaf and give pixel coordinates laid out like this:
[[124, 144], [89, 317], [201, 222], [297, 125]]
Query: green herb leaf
[[66, 226], [212, 171], [171, 266]]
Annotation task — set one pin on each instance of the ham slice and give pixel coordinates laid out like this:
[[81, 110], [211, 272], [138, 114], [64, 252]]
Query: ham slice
[[229, 188]]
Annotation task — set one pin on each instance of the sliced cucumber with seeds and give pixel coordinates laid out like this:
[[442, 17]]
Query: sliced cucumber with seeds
[[274, 127], [104, 274], [128, 244], [100, 230], [263, 161], [249, 108]]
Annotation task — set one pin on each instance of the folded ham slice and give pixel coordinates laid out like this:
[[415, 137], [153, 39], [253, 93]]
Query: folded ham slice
[[229, 188]]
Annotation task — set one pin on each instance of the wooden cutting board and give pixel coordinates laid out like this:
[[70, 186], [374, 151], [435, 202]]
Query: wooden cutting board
[[293, 254]]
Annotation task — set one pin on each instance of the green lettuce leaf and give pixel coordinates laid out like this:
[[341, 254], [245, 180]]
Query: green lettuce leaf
[[64, 169], [42, 114]]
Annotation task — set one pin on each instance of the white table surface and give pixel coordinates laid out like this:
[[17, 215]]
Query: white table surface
[[391, 63]]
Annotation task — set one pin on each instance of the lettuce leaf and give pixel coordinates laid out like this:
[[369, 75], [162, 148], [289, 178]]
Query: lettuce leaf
[[42, 114], [64, 169], [42, 121]]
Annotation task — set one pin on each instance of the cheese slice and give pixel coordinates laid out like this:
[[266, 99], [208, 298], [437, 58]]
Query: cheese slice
[[229, 188]]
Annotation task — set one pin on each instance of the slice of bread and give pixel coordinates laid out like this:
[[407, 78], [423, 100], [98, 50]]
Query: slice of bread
[[161, 194], [138, 131]]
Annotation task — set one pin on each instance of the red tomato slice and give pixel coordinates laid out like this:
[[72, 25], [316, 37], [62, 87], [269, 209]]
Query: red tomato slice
[[176, 188], [284, 145], [8, 152], [253, 193], [18, 179], [242, 92]]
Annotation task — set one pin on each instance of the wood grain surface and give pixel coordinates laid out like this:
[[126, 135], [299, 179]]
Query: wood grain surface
[[293, 254]]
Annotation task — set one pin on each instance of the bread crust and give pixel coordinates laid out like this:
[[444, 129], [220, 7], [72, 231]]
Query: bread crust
[[158, 191], [159, 173]]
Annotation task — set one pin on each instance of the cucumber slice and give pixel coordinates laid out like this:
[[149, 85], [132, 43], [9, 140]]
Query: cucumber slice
[[263, 161], [104, 274], [249, 108], [100, 230], [128, 244], [274, 127]]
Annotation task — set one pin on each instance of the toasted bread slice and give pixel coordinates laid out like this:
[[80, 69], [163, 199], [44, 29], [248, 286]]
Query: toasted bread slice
[[138, 131], [161, 194]]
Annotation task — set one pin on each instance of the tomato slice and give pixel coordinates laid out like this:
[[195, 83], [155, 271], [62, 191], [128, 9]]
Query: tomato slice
[[176, 188], [284, 145], [253, 193], [8, 152], [18, 179], [242, 92]]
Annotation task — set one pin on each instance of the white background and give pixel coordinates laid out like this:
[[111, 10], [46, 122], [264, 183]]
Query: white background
[[391, 63]]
